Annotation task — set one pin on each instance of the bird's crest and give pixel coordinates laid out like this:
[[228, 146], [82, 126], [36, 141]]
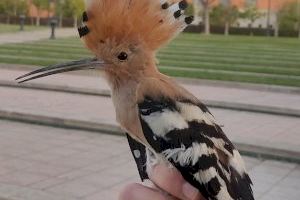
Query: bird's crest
[[152, 22]]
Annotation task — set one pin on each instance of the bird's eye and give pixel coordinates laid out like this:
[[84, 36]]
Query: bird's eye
[[122, 56]]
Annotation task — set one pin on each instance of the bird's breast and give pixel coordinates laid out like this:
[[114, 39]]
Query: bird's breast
[[124, 100]]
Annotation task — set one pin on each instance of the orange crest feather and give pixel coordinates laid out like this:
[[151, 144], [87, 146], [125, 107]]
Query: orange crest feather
[[132, 20]]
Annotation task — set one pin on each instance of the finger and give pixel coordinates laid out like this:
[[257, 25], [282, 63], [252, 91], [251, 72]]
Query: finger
[[137, 191], [170, 180]]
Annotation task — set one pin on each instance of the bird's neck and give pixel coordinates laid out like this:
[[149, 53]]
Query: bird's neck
[[120, 79]]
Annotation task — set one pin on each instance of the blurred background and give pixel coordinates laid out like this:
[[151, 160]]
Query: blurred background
[[58, 135]]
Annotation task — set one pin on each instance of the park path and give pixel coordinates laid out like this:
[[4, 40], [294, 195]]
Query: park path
[[46, 163], [252, 97], [29, 36], [252, 128], [263, 130]]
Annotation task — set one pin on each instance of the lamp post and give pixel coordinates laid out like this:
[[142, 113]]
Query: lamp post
[[268, 18], [22, 22], [53, 23]]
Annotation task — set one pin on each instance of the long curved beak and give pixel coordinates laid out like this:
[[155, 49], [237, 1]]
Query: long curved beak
[[89, 63]]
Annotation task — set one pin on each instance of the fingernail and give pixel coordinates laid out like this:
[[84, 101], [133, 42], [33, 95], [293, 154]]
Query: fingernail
[[189, 191]]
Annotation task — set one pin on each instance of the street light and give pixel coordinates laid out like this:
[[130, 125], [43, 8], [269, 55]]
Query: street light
[[22, 22], [53, 24]]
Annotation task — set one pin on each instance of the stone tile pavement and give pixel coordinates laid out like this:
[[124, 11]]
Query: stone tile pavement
[[94, 81], [46, 163], [21, 37], [265, 130]]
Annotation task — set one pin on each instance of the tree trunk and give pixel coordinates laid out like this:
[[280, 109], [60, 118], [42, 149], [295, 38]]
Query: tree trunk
[[276, 30], [197, 9], [206, 20], [75, 21], [15, 10], [250, 28], [227, 27], [8, 19], [38, 18], [60, 23]]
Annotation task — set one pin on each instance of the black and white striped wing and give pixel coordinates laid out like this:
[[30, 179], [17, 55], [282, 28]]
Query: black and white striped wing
[[186, 134]]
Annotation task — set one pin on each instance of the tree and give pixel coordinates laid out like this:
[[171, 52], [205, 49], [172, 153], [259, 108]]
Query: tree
[[8, 9], [289, 16], [40, 5], [74, 8], [22, 8], [196, 9], [252, 14], [206, 5], [12, 8], [224, 15], [59, 10]]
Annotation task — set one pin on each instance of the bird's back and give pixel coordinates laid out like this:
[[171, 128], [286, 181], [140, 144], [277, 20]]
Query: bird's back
[[181, 130]]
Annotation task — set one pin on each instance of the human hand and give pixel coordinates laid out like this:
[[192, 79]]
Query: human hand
[[168, 180]]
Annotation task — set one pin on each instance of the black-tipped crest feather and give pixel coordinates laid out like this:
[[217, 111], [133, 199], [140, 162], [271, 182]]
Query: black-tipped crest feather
[[83, 31]]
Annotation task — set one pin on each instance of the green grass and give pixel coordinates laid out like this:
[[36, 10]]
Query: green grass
[[9, 28], [235, 58]]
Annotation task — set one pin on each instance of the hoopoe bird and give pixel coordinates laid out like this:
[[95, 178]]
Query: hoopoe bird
[[164, 122]]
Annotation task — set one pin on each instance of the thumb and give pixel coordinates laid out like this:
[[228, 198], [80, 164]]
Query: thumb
[[171, 181]]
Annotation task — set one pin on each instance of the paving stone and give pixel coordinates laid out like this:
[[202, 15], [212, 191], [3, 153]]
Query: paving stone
[[242, 127], [251, 162], [94, 171], [13, 192], [203, 91], [279, 193], [76, 188], [46, 169], [22, 178]]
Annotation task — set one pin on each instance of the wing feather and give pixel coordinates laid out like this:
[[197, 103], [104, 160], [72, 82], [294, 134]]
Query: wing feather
[[186, 134]]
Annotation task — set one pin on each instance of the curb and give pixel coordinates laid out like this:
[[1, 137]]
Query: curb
[[245, 149], [60, 122], [241, 85], [106, 93], [254, 108]]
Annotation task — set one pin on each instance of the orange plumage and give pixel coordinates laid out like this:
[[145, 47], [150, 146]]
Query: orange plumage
[[140, 21]]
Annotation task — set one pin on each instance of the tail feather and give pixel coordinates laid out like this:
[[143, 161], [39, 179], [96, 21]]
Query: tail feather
[[240, 186]]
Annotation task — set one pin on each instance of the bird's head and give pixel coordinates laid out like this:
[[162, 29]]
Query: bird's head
[[124, 36]]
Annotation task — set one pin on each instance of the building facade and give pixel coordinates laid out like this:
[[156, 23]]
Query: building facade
[[45, 13], [262, 5], [268, 9]]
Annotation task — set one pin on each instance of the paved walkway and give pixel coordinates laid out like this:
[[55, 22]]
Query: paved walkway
[[204, 91], [46, 163], [29, 36], [264, 130]]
